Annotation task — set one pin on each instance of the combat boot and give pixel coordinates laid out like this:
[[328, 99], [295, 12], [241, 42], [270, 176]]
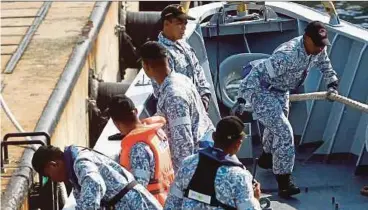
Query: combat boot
[[265, 160], [286, 185]]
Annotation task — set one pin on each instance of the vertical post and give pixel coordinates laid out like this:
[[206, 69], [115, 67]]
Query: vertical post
[[186, 5]]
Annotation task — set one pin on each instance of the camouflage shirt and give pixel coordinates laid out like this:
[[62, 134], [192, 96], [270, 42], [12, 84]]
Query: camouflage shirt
[[182, 59], [287, 67], [233, 187], [101, 178], [187, 119]]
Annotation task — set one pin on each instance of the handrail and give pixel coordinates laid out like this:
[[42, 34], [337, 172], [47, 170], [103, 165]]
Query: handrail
[[19, 183]]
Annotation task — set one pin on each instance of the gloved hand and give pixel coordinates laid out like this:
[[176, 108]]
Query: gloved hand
[[333, 85], [332, 88], [241, 110], [238, 108]]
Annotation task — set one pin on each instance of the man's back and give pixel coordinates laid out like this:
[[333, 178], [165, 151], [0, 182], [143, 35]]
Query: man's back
[[187, 118], [289, 65], [101, 178], [232, 186]]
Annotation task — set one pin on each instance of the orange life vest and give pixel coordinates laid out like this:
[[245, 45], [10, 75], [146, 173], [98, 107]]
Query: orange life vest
[[152, 134]]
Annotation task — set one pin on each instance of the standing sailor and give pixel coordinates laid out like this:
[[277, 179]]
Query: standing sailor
[[188, 125], [266, 88], [181, 56]]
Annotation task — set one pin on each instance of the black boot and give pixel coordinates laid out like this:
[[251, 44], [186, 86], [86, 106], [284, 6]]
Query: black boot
[[265, 160], [286, 185]]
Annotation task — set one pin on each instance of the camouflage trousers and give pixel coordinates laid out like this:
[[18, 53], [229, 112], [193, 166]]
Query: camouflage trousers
[[271, 109]]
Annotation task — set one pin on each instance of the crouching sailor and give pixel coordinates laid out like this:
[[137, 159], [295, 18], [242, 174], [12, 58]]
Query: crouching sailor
[[97, 180], [145, 150], [215, 178]]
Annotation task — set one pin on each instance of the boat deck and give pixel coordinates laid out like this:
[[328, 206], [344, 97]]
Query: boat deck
[[323, 182], [27, 89]]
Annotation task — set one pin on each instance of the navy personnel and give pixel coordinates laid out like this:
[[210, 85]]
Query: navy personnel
[[97, 180], [181, 56], [188, 125], [145, 149], [215, 178], [266, 89]]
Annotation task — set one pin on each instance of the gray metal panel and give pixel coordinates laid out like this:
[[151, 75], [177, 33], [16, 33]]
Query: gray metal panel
[[319, 110], [337, 109], [344, 120], [258, 43], [246, 149], [363, 158], [197, 42], [249, 27], [361, 134]]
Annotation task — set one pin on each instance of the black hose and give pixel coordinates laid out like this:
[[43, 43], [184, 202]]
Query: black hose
[[218, 54]]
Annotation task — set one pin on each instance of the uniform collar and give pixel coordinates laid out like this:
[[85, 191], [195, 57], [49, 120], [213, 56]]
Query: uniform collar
[[165, 83], [301, 46], [165, 40]]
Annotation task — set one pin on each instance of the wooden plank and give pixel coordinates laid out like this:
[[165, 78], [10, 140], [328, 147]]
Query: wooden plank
[[16, 22], [8, 49], [15, 13], [13, 31], [72, 4], [4, 61], [11, 40], [20, 5], [4, 183]]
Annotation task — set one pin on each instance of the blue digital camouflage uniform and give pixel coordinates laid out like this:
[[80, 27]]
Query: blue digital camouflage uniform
[[182, 59], [102, 178], [233, 187], [142, 163], [285, 70], [188, 124]]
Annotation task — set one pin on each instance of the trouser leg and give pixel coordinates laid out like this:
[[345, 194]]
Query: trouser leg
[[270, 112]]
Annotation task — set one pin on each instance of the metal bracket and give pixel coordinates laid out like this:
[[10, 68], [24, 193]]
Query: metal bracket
[[118, 28]]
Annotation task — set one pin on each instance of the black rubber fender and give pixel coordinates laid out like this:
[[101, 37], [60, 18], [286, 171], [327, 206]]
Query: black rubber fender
[[143, 26], [106, 90]]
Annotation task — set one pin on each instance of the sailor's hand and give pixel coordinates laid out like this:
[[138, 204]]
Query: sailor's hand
[[332, 88], [206, 102], [257, 190], [238, 108]]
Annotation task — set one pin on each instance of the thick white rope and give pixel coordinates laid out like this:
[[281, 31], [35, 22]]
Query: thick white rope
[[332, 96]]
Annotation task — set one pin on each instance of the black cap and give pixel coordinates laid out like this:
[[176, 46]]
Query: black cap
[[152, 50], [43, 155], [175, 11], [230, 128], [120, 106], [317, 31]]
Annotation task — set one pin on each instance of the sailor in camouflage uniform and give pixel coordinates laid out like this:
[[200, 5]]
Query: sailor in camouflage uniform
[[124, 115], [97, 180], [266, 89], [188, 125], [182, 58], [215, 178]]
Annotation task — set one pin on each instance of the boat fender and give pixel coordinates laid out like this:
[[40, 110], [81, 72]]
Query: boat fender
[[364, 191], [149, 21]]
